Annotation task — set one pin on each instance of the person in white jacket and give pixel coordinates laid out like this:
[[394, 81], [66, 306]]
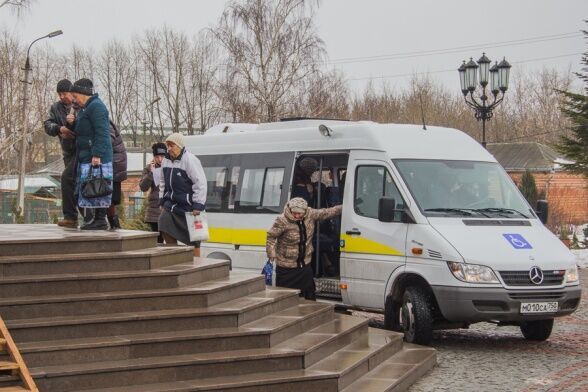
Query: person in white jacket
[[182, 189]]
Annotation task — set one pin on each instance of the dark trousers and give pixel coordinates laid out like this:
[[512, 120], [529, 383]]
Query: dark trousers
[[155, 228], [68, 199]]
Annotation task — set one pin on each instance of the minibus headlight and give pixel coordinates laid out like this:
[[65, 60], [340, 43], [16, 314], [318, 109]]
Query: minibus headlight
[[572, 275], [472, 273]]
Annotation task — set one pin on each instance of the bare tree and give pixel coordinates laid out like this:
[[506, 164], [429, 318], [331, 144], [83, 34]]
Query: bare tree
[[19, 7], [11, 61], [198, 86], [274, 46], [117, 75]]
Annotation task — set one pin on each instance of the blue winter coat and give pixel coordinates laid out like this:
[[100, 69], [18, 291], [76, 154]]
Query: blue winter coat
[[92, 132]]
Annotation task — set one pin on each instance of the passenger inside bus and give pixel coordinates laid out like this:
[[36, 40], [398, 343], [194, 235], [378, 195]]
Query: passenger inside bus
[[320, 191]]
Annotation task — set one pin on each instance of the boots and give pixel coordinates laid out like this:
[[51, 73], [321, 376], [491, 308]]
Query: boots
[[113, 222], [99, 221]]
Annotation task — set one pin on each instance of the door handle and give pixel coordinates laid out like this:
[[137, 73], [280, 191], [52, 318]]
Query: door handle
[[353, 232]]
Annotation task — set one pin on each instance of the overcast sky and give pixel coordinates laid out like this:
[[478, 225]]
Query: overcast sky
[[363, 38]]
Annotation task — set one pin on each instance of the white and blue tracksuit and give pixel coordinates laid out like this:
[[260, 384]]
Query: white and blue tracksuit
[[182, 186]]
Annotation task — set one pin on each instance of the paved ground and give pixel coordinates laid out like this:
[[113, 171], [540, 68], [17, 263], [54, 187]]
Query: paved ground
[[489, 358]]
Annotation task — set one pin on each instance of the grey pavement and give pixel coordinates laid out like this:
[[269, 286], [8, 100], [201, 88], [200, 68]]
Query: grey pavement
[[490, 358]]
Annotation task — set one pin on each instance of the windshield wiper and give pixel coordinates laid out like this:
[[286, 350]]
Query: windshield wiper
[[503, 211], [462, 211]]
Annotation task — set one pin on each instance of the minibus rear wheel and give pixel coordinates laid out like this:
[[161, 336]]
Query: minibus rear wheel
[[538, 330], [415, 316]]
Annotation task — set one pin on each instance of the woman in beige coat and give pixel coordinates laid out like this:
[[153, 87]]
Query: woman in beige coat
[[289, 244]]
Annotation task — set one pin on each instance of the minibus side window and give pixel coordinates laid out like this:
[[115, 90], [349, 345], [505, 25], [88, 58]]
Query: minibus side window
[[251, 187], [216, 179], [261, 189], [372, 183], [272, 187], [233, 186]]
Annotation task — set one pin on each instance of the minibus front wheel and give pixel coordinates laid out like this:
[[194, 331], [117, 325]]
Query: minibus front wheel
[[538, 330], [415, 315]]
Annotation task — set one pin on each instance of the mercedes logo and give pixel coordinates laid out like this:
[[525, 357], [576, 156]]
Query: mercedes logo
[[536, 275]]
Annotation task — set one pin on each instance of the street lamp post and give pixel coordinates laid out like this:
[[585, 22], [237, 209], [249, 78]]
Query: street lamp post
[[497, 75], [25, 95]]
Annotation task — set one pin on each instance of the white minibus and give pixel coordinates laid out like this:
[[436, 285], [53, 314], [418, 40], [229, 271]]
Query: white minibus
[[433, 233]]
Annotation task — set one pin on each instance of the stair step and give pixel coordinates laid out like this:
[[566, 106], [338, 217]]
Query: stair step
[[108, 324], [398, 372], [14, 389], [121, 347], [356, 359], [327, 375], [98, 282], [177, 367], [327, 338], [50, 239], [193, 296], [76, 263], [270, 381]]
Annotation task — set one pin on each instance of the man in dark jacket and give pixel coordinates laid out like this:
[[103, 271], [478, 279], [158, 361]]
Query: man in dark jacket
[[56, 125]]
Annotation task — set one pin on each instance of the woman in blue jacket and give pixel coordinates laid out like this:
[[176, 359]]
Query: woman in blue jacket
[[94, 148]]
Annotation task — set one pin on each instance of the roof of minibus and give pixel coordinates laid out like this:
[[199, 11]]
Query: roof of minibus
[[400, 141]]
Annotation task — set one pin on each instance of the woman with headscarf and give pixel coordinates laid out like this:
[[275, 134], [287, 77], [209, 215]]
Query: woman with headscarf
[[289, 244], [94, 148]]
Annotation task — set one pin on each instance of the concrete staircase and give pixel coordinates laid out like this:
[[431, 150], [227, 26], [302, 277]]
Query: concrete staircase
[[111, 311]]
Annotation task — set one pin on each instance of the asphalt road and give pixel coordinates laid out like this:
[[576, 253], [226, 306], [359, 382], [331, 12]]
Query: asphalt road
[[490, 358]]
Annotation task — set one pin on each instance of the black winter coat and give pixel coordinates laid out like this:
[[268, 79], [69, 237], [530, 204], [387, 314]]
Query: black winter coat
[[55, 120], [119, 155]]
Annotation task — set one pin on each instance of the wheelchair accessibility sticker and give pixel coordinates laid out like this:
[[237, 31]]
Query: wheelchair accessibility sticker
[[517, 241]]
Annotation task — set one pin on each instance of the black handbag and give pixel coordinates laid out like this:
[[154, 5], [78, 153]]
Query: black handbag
[[95, 185]]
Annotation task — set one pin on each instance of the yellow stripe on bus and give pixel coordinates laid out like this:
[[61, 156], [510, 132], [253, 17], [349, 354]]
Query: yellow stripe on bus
[[237, 236], [355, 244], [257, 237]]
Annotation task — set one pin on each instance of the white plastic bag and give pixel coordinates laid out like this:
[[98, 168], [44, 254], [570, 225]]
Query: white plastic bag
[[197, 226]]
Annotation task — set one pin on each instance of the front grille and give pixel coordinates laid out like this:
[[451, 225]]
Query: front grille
[[536, 295], [521, 278]]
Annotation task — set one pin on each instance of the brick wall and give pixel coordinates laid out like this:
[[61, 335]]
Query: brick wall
[[567, 195]]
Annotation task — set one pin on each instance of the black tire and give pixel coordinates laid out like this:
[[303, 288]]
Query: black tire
[[538, 330], [391, 315], [415, 316]]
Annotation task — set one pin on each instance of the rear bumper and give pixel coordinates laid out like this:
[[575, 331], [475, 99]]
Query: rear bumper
[[464, 304]]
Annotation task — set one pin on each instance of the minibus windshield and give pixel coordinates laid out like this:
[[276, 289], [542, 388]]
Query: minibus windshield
[[462, 189]]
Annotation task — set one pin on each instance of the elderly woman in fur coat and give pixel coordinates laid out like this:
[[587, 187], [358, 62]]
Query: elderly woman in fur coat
[[289, 244]]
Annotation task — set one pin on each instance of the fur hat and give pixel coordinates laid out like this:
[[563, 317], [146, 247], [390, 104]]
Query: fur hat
[[298, 204], [83, 86], [63, 86], [177, 139], [159, 149]]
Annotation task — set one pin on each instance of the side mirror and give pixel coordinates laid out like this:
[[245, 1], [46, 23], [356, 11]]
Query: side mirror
[[386, 209], [387, 212], [542, 210]]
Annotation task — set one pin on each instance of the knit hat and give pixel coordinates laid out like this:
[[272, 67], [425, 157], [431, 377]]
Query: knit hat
[[298, 204], [308, 165], [63, 86], [177, 139], [83, 86], [159, 149]]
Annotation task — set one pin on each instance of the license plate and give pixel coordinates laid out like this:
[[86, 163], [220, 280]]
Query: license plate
[[538, 307]]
